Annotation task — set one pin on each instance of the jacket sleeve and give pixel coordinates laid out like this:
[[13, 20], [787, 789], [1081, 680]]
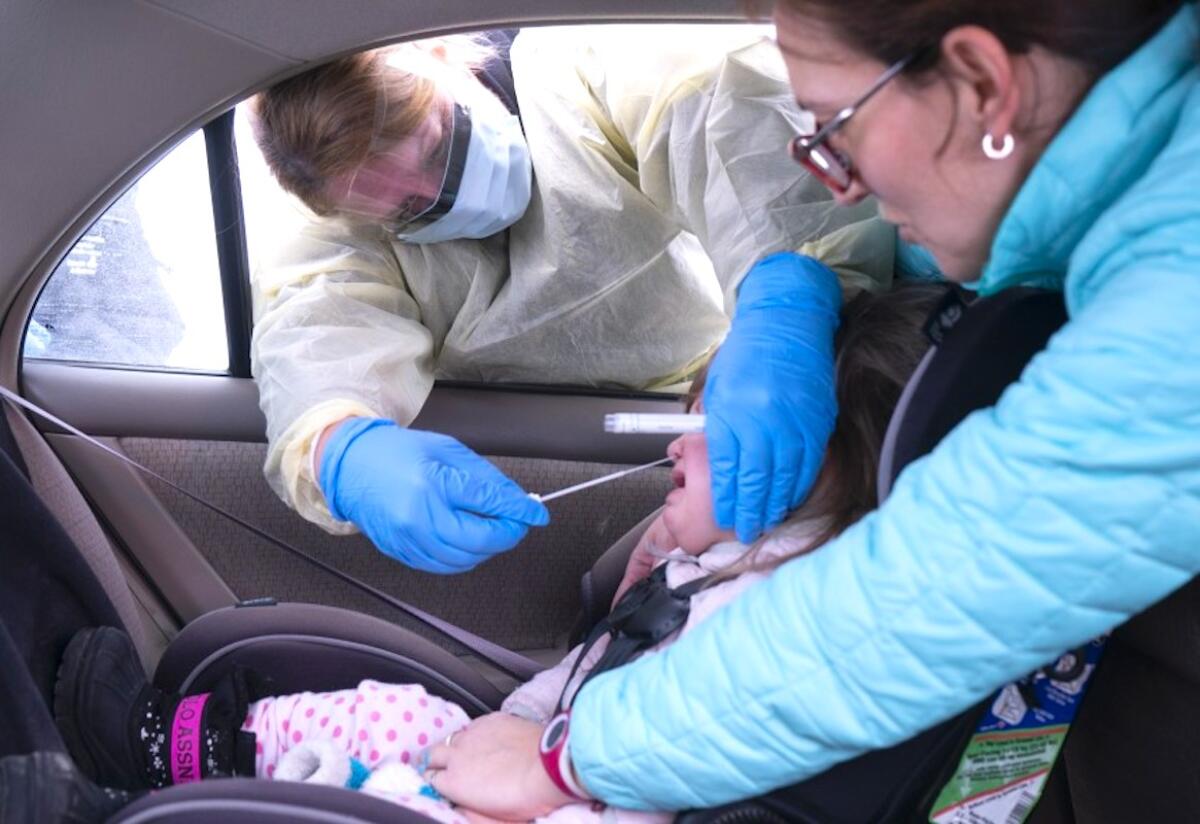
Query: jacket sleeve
[[1049, 519], [337, 334]]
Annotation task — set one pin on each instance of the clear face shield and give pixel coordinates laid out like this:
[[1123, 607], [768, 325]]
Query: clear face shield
[[407, 184], [462, 173]]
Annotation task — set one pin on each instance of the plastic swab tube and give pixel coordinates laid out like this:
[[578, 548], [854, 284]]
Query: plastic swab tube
[[640, 423], [550, 496]]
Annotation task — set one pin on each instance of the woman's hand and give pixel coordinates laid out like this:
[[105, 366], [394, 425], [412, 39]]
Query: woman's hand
[[769, 396], [641, 560], [493, 767]]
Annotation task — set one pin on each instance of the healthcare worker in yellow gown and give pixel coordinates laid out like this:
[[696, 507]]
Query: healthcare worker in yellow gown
[[569, 206]]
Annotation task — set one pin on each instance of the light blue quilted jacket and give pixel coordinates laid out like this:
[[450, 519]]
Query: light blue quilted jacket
[[1071, 505]]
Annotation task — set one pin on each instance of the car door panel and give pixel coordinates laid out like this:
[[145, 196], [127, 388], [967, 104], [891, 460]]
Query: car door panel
[[201, 561]]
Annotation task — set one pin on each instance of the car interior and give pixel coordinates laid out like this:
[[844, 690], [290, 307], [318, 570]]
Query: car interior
[[124, 114]]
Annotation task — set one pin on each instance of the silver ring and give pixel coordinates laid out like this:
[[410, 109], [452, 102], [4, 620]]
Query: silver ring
[[450, 738]]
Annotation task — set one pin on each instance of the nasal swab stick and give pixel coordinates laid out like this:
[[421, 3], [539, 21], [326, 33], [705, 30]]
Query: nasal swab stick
[[550, 496], [642, 423]]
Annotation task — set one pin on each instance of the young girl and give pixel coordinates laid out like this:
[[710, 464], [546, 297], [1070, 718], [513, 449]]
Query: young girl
[[374, 736]]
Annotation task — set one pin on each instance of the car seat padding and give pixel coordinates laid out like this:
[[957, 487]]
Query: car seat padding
[[246, 800], [315, 647]]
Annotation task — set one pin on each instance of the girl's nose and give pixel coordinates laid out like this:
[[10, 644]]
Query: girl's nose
[[675, 449]]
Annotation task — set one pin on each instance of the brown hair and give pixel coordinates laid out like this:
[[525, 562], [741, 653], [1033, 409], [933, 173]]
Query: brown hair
[[326, 121], [1098, 34], [878, 345], [692, 396]]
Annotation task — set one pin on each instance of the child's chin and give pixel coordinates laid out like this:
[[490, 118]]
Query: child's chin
[[696, 544]]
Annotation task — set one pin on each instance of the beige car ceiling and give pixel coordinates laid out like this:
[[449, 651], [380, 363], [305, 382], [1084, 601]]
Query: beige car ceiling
[[92, 92]]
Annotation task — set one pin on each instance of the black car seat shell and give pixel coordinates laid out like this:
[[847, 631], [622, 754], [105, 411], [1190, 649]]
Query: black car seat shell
[[249, 801], [317, 648]]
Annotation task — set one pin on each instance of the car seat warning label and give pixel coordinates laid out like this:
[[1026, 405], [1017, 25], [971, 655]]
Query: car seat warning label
[[1004, 768]]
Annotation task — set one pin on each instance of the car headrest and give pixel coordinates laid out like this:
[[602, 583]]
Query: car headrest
[[978, 350]]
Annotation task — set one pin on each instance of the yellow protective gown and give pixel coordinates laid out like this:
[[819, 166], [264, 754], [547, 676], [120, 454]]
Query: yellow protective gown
[[660, 177]]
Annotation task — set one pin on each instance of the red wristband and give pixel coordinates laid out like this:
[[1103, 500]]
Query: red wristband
[[553, 752]]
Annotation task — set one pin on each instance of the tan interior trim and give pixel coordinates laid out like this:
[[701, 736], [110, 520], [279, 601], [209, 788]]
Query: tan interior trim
[[132, 403], [137, 517]]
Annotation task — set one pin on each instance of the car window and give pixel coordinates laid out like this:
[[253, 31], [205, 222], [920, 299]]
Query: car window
[[271, 214], [142, 287]]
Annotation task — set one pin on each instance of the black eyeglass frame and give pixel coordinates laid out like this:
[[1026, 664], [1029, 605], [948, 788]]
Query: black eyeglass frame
[[812, 152]]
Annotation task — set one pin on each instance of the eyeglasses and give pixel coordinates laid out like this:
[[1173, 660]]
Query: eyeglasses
[[833, 168]]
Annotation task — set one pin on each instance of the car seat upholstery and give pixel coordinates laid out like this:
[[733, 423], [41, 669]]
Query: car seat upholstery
[[598, 586], [57, 490]]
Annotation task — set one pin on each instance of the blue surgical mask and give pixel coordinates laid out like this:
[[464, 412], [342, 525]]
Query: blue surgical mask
[[496, 183]]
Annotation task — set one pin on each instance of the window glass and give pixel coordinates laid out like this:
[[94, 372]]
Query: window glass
[[142, 287], [271, 214]]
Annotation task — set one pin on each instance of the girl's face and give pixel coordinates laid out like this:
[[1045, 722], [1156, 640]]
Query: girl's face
[[688, 513], [916, 145]]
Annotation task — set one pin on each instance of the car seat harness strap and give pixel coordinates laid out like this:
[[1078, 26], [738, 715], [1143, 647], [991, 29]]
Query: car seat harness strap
[[648, 613]]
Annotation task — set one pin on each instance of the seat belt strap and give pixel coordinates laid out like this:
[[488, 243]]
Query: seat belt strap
[[513, 663]]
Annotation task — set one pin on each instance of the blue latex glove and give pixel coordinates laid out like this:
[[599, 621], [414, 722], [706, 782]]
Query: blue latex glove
[[423, 498], [769, 396]]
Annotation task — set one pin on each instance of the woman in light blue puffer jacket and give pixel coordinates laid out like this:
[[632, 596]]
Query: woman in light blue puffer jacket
[[1042, 142]]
